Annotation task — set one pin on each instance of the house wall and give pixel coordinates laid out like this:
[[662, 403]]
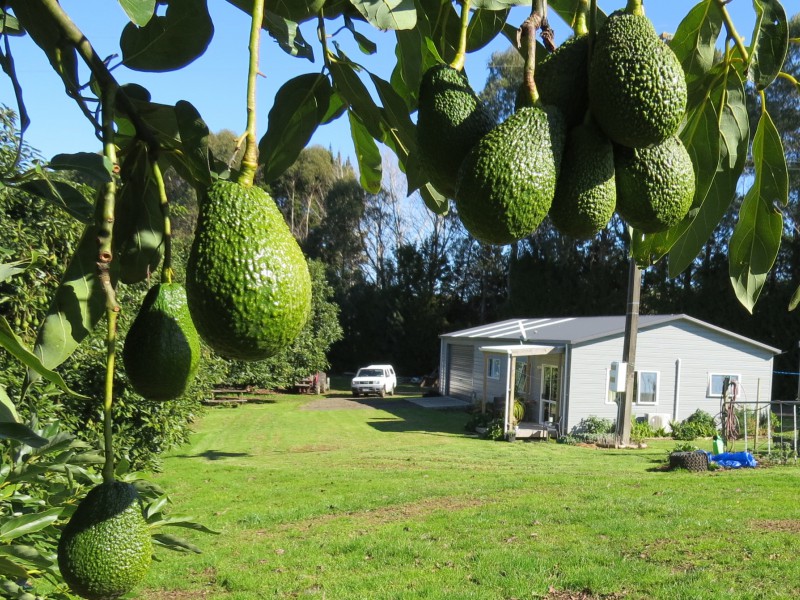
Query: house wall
[[683, 353]]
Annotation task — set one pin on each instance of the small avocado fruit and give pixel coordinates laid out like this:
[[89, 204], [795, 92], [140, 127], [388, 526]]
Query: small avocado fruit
[[637, 88], [507, 182], [247, 281], [655, 186], [586, 193], [561, 79], [105, 550], [162, 348], [450, 121]]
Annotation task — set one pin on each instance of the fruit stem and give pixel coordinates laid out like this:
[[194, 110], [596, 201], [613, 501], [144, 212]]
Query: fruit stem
[[166, 267], [461, 54], [111, 352], [527, 40], [581, 27], [731, 28], [635, 7], [250, 159]]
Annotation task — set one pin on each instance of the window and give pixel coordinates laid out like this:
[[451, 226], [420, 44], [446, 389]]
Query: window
[[716, 383], [645, 387], [493, 368], [611, 397]]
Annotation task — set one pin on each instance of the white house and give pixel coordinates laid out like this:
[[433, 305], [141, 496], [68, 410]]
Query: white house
[[560, 367]]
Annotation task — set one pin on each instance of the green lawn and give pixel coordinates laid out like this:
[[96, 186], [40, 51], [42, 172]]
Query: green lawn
[[401, 504]]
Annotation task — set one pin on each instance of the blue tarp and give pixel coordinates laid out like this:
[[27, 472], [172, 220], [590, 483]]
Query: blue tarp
[[734, 460]]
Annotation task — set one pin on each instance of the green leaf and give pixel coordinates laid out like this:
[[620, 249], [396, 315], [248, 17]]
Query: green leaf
[[96, 166], [770, 42], [568, 10], [388, 14], [721, 116], [355, 94], [62, 195], [8, 412], [173, 542], [402, 130], [757, 236], [9, 25], [694, 42], [21, 433], [300, 106], [288, 35], [14, 346], [366, 45], [139, 11], [793, 303], [168, 42], [11, 569], [139, 224], [9, 270], [26, 524], [78, 305], [27, 554], [367, 153], [193, 150], [484, 25], [433, 199]]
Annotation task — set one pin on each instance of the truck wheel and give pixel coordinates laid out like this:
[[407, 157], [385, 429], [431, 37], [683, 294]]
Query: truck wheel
[[355, 394], [383, 392]]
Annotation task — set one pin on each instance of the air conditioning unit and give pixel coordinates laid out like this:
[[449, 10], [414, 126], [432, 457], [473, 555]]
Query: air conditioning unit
[[659, 421]]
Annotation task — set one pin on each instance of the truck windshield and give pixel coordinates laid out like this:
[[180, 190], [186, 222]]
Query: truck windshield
[[370, 373]]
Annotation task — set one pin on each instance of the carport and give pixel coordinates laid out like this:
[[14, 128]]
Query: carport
[[512, 352]]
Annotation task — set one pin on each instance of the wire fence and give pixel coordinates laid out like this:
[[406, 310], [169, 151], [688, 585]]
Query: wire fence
[[762, 428]]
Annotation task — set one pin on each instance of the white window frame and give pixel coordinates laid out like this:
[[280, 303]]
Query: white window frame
[[636, 400], [493, 368], [711, 393], [610, 396]]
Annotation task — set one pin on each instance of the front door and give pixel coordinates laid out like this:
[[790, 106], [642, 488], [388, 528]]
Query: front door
[[550, 393]]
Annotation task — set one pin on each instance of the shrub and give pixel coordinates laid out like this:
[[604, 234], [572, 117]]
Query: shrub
[[698, 424], [594, 424], [477, 419], [494, 430]]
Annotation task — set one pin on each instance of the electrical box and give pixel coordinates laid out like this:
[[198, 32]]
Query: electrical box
[[617, 376]]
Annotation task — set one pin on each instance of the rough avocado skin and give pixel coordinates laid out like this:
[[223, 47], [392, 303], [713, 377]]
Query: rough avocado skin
[[586, 193], [105, 549], [162, 348], [637, 90], [507, 182], [247, 281], [450, 121], [655, 186], [561, 79]]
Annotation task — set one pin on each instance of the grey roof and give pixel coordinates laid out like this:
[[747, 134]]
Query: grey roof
[[576, 330]]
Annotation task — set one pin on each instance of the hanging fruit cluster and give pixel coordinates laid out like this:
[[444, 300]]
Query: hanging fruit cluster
[[595, 131]]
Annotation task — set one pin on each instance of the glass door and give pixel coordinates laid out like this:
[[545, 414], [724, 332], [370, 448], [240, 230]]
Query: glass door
[[550, 393]]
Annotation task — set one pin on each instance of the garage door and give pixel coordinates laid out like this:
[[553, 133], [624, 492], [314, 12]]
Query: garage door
[[459, 371]]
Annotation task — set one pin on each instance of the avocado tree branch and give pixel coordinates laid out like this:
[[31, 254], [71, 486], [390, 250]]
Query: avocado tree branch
[[635, 7], [250, 159], [71, 35], [105, 228]]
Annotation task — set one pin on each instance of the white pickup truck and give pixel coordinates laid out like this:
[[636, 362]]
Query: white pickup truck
[[374, 379]]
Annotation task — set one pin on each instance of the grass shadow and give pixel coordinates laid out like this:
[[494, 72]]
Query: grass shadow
[[214, 455]]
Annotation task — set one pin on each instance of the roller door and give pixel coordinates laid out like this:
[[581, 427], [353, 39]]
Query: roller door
[[459, 371]]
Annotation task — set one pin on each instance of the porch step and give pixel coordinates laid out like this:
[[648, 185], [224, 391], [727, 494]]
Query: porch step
[[528, 430]]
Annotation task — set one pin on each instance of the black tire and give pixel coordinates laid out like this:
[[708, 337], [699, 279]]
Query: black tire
[[691, 461], [383, 392], [356, 394]]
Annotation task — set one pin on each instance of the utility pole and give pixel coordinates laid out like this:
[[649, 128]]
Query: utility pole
[[629, 353]]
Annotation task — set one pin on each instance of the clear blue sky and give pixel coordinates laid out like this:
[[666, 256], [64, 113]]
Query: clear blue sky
[[214, 83]]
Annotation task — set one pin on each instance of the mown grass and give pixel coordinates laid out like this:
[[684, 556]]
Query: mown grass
[[401, 504]]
